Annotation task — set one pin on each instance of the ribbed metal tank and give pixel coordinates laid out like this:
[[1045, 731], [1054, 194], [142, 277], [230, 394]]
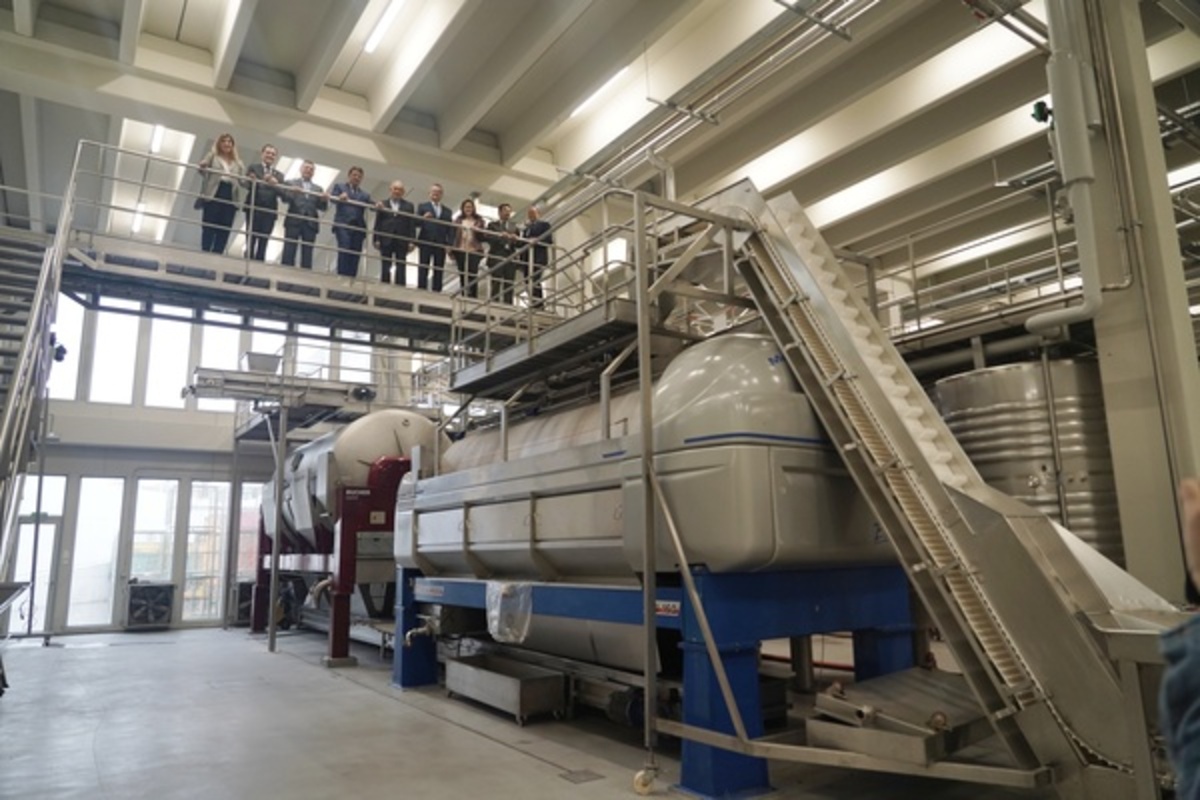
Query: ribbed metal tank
[[1009, 423]]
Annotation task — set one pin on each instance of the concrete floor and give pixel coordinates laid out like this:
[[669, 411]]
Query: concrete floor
[[210, 714]]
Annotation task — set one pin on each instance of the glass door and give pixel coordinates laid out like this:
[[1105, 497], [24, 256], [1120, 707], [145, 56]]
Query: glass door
[[37, 542], [94, 559], [207, 538]]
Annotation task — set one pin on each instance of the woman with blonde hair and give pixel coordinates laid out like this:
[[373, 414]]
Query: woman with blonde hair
[[221, 175]]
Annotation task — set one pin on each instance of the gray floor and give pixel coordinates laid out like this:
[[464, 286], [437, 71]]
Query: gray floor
[[210, 714]]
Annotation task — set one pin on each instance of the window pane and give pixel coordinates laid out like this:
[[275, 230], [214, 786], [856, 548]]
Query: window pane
[[312, 355], [355, 362], [208, 522], [154, 530], [32, 605], [167, 373], [248, 530], [54, 490], [219, 350], [113, 360], [95, 558], [262, 341], [68, 331]]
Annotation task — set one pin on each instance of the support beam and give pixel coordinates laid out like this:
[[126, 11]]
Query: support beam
[[25, 15], [427, 36], [41, 70], [336, 28], [230, 36], [629, 26], [534, 35], [131, 29], [33, 162]]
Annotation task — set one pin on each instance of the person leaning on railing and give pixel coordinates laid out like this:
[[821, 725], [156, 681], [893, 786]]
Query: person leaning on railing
[[435, 236], [350, 203], [393, 234], [305, 201], [537, 258], [1179, 699], [468, 247], [262, 202], [502, 241], [222, 179]]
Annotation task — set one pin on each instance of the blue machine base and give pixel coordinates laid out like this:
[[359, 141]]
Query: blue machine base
[[743, 610]]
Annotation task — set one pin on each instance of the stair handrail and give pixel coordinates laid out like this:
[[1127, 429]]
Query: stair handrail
[[32, 369]]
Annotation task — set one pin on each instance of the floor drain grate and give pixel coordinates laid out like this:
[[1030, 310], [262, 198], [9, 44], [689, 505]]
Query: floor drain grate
[[581, 776]]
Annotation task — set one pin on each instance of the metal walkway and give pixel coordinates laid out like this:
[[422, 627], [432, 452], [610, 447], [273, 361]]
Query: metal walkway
[[1011, 592]]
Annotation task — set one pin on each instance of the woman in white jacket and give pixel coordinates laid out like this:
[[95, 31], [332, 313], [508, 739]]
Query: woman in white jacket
[[222, 180]]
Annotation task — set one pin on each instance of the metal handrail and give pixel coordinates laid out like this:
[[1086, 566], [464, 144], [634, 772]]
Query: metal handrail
[[32, 369]]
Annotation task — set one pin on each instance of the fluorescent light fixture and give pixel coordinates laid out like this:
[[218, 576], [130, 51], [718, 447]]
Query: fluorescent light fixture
[[608, 84], [382, 26], [1072, 282], [137, 218], [1183, 175], [1194, 310], [156, 139]]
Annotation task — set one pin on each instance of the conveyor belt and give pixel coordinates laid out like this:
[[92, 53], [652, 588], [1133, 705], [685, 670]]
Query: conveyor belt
[[1002, 584]]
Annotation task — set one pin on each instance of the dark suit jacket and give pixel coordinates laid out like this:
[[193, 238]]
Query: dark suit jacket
[[262, 194], [539, 230], [500, 247], [394, 224], [303, 208], [349, 212], [442, 232]]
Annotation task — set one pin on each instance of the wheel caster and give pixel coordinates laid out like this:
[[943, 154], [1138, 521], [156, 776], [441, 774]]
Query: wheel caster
[[643, 781]]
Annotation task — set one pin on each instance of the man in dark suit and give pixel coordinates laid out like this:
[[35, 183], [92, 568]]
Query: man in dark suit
[[502, 241], [262, 201], [393, 234], [537, 258], [305, 201], [435, 235], [350, 220]]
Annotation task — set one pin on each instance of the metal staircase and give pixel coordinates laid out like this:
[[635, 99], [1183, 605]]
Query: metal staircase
[[1027, 610], [29, 276]]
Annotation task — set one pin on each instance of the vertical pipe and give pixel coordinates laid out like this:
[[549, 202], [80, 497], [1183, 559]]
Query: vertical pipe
[[1055, 441], [277, 542], [235, 539], [649, 567]]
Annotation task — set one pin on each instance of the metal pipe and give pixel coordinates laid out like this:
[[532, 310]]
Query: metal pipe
[[710, 644], [1076, 117], [606, 389], [280, 446], [649, 540], [956, 358], [1055, 440]]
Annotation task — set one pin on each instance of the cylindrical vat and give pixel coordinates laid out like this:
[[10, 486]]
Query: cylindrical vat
[[1019, 432]]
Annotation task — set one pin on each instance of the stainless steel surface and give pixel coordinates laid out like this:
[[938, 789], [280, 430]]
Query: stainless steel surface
[[1007, 420], [520, 689], [9, 592]]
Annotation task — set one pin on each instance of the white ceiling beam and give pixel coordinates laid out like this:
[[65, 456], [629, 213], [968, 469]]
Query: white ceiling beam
[[229, 37], [31, 141], [25, 15], [336, 28], [428, 34], [49, 72], [620, 46], [538, 31], [131, 28]]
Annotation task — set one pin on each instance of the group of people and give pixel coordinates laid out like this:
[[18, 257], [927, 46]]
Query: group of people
[[511, 249]]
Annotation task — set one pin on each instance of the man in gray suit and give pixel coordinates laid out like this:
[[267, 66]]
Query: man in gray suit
[[305, 203]]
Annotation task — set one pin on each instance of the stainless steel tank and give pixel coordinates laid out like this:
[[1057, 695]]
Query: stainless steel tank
[[1020, 433]]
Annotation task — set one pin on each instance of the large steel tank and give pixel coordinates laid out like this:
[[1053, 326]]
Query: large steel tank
[[315, 471], [752, 482], [1020, 431]]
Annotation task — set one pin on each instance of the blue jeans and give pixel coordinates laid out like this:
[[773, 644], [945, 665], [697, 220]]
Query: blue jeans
[[1179, 705]]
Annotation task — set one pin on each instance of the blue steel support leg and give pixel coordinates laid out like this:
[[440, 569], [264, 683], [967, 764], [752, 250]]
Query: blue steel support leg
[[415, 664], [710, 771], [882, 651]]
